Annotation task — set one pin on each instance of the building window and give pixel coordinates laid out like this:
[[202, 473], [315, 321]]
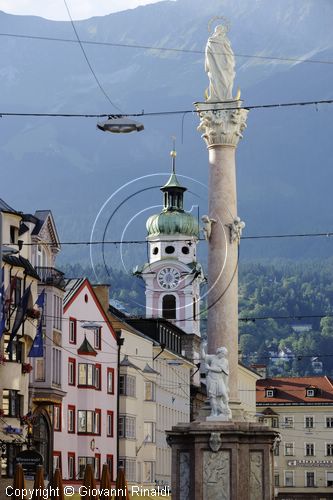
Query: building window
[[127, 385], [40, 369], [71, 465], [56, 366], [276, 450], [110, 380], [11, 403], [149, 432], [329, 479], [13, 235], [309, 449], [56, 460], [309, 422], [269, 393], [98, 377], [109, 423], [310, 479], [17, 284], [86, 422], [86, 375], [57, 312], [310, 393], [169, 307], [288, 422], [16, 353], [129, 466], [329, 422], [98, 338], [169, 249], [97, 465], [329, 449], [71, 371], [289, 478], [71, 419], [98, 422], [72, 330], [289, 449], [275, 422], [57, 418], [83, 462], [149, 391], [148, 472], [109, 461], [127, 427], [276, 480]]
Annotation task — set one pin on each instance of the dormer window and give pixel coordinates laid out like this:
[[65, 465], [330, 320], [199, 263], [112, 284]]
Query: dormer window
[[310, 393], [13, 235], [270, 393]]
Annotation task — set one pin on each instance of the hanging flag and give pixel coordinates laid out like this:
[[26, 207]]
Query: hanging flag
[[41, 299], [2, 303], [37, 348], [25, 303], [8, 297]]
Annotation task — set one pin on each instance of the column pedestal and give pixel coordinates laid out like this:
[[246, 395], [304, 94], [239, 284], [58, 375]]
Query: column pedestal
[[222, 461]]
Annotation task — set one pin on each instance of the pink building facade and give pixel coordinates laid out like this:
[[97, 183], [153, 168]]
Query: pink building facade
[[85, 428]]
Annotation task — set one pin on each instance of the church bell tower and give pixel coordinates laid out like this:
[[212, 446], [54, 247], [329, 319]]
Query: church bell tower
[[173, 276]]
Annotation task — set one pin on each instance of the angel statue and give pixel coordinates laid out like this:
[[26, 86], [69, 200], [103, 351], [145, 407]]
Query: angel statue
[[217, 368], [219, 65]]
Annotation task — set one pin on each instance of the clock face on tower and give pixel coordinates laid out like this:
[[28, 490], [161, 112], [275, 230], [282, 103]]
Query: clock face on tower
[[168, 278]]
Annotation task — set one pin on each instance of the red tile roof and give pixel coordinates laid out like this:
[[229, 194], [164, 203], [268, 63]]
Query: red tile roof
[[293, 390]]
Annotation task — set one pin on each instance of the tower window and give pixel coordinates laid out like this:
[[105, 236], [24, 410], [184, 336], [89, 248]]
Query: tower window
[[169, 307], [186, 250], [155, 250], [169, 249]]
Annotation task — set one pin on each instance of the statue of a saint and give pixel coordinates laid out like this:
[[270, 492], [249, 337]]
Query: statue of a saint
[[219, 65], [217, 373]]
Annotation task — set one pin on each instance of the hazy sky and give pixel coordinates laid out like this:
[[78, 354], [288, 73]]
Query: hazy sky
[[80, 9]]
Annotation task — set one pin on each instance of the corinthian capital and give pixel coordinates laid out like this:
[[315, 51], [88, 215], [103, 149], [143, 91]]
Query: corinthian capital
[[220, 125]]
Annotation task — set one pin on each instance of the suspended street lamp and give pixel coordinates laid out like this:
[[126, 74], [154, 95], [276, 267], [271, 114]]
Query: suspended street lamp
[[118, 124]]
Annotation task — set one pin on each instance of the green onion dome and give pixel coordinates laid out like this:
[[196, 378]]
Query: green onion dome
[[172, 222]]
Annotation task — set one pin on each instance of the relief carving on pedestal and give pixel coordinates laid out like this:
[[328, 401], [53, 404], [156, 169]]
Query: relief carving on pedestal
[[184, 476], [216, 475], [256, 476]]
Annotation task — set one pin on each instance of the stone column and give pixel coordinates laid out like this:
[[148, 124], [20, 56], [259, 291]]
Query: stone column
[[222, 129]]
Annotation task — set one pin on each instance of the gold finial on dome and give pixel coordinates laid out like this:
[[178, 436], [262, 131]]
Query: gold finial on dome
[[173, 154]]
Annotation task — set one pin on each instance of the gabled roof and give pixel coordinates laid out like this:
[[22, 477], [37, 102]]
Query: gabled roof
[[4, 207], [19, 261], [45, 217], [292, 390], [73, 288]]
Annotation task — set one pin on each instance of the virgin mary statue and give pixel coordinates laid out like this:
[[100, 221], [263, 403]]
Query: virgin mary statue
[[219, 65]]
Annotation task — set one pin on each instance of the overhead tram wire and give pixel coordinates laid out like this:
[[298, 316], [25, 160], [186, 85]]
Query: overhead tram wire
[[168, 112], [158, 48], [87, 60], [326, 234]]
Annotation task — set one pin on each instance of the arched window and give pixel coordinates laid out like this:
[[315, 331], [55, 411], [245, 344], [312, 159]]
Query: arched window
[[169, 307]]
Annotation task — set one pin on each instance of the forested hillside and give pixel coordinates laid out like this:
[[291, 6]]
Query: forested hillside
[[295, 297]]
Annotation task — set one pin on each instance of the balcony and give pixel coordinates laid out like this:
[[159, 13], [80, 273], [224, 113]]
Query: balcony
[[51, 277]]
